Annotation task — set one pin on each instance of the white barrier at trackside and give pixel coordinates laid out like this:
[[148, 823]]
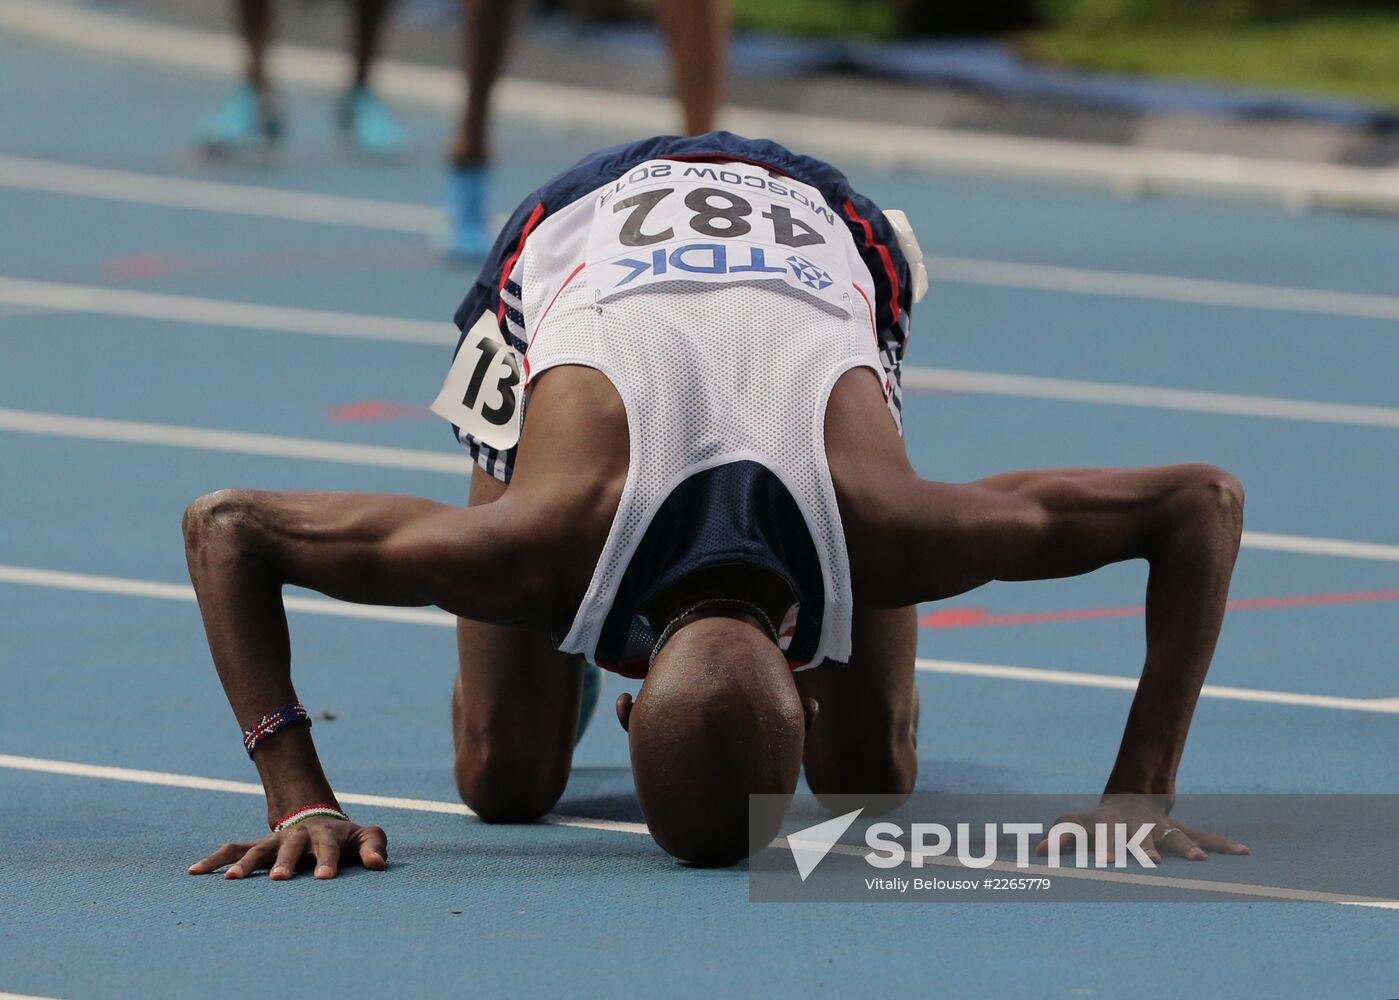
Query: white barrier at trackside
[[1129, 170]]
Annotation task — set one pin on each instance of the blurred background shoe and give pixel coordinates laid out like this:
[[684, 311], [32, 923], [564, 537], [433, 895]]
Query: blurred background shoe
[[248, 121], [467, 232], [370, 127]]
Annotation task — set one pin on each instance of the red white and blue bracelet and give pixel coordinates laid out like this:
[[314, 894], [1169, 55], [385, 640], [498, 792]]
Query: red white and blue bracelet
[[274, 722], [307, 812]]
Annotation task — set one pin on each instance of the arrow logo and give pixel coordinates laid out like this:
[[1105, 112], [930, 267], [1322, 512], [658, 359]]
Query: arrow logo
[[809, 846]]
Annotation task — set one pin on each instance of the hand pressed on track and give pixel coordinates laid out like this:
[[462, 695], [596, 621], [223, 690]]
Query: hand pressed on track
[[1136, 811], [330, 842]]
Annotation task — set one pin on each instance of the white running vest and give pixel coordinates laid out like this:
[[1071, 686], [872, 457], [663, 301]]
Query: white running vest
[[722, 302]]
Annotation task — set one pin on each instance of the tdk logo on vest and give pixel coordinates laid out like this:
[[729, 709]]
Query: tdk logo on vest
[[808, 273], [704, 258]]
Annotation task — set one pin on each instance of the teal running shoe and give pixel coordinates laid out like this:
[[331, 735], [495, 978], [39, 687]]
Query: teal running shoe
[[370, 127], [468, 236], [587, 706], [248, 121]]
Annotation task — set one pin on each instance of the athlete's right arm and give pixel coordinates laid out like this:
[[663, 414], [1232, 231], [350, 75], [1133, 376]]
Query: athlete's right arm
[[242, 547]]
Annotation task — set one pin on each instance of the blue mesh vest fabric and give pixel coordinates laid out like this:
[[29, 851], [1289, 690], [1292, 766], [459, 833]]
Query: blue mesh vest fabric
[[735, 514]]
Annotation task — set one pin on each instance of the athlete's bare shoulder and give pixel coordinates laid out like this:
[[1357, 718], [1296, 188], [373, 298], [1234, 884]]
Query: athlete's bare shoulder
[[573, 451]]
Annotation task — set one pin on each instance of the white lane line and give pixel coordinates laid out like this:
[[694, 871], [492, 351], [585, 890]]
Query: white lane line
[[104, 301], [237, 442], [299, 206], [1125, 169], [196, 782], [22, 996], [1151, 397], [83, 582], [1166, 288], [275, 446], [215, 196], [1306, 545], [191, 781], [126, 587], [168, 779], [610, 825], [100, 300], [1384, 706]]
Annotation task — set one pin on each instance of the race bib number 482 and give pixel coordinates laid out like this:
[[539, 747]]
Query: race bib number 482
[[716, 222]]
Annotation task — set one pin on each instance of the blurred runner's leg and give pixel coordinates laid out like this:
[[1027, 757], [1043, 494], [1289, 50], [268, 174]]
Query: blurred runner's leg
[[365, 120], [698, 31], [698, 34], [256, 21], [488, 26], [249, 119]]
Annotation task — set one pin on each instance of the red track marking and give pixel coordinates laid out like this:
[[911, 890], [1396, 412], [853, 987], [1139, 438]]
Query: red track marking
[[375, 409], [139, 265], [953, 618], [978, 618]]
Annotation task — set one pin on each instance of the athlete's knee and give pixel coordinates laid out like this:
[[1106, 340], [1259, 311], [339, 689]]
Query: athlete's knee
[[884, 774], [501, 784], [879, 761]]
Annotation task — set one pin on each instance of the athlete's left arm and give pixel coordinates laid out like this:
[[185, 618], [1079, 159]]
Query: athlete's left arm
[[1184, 520]]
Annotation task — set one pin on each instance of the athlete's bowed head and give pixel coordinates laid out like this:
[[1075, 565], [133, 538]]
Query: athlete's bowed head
[[718, 718]]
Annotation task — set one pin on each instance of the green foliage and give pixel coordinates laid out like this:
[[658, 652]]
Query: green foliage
[[925, 18], [1343, 47], [1350, 55], [1104, 14]]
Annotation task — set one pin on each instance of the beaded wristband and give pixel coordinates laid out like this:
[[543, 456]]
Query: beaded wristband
[[306, 812], [274, 722]]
